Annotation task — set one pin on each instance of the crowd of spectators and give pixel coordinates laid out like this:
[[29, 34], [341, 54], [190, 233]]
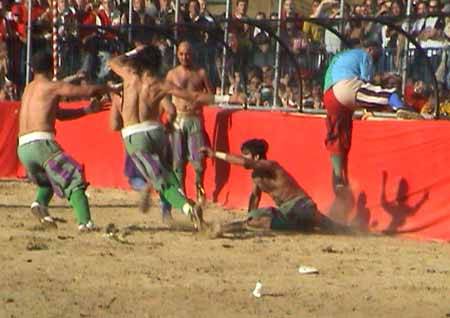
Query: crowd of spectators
[[89, 32]]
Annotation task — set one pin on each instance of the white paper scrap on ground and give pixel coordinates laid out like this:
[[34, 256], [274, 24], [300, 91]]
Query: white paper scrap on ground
[[304, 270], [257, 291]]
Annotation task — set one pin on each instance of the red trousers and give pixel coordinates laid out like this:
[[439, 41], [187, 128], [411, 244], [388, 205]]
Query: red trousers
[[339, 125]]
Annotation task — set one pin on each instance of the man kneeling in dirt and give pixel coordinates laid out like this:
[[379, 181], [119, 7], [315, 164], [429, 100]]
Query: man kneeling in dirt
[[295, 209]]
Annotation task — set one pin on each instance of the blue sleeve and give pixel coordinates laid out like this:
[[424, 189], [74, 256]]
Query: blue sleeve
[[366, 68]]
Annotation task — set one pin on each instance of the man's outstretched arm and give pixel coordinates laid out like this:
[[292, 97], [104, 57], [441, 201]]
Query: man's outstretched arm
[[94, 106], [119, 65], [233, 159], [237, 160]]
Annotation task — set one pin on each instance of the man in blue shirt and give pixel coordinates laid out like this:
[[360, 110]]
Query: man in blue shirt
[[346, 88]]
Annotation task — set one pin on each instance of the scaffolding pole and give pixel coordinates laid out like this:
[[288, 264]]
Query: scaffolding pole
[[29, 28], [224, 52], [277, 57]]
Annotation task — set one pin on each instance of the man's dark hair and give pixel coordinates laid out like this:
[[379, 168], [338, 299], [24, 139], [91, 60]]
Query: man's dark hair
[[42, 62], [256, 147], [371, 43], [149, 59]]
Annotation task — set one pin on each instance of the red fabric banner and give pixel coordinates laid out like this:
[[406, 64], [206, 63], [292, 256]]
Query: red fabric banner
[[397, 169], [9, 113]]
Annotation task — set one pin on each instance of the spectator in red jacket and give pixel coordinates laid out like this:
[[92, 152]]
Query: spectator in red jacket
[[85, 17]]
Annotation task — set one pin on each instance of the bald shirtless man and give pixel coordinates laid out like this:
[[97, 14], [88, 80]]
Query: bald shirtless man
[[46, 163], [295, 209], [143, 134], [189, 136]]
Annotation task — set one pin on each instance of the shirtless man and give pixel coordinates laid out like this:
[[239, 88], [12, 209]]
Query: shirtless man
[[295, 209], [143, 134], [46, 163], [188, 135]]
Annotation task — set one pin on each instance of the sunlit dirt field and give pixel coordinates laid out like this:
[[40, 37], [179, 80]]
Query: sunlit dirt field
[[149, 270]]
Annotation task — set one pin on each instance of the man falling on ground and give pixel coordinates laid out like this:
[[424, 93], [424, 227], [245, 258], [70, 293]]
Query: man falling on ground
[[188, 135], [143, 134], [46, 163], [295, 209]]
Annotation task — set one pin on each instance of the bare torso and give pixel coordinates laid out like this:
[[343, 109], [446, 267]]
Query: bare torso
[[39, 106], [277, 182], [141, 98], [193, 79]]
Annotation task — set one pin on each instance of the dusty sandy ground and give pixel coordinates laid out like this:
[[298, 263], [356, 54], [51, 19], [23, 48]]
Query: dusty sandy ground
[[157, 272]]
